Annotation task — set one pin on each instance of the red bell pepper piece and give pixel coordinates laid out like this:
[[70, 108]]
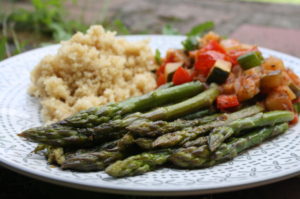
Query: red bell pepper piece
[[214, 45], [234, 54], [205, 60], [161, 80], [181, 76], [295, 120], [227, 101], [161, 70]]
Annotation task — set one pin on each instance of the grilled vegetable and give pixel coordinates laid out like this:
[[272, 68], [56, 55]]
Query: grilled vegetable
[[297, 107], [199, 114], [248, 83], [295, 82], [97, 115], [219, 72], [170, 70], [273, 63], [227, 101], [148, 128], [206, 60], [62, 136], [188, 134], [220, 134], [278, 100], [295, 89], [272, 80], [138, 164], [250, 60], [181, 76], [195, 157]]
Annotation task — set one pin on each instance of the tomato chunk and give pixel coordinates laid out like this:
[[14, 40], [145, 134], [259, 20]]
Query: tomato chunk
[[234, 54], [161, 80], [161, 70], [227, 101], [181, 76], [214, 45], [205, 60], [295, 120]]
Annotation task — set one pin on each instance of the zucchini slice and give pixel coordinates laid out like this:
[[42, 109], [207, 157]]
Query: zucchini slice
[[297, 107], [219, 72], [295, 89], [272, 80], [250, 60]]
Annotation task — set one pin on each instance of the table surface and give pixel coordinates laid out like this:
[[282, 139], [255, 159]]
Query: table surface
[[17, 186]]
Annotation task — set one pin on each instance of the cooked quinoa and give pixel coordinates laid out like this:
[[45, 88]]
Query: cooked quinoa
[[89, 70]]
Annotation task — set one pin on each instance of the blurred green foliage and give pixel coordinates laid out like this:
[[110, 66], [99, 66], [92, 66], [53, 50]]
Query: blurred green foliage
[[276, 1], [50, 19], [47, 17]]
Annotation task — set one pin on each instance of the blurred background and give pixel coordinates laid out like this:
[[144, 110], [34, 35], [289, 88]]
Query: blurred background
[[27, 24]]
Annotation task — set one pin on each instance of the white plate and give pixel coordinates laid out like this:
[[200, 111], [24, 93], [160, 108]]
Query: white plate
[[273, 161]]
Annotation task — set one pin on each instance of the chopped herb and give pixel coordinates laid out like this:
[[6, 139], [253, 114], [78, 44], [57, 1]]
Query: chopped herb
[[200, 29], [157, 56], [191, 42], [170, 30]]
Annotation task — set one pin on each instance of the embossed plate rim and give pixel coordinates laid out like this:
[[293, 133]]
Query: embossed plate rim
[[118, 188]]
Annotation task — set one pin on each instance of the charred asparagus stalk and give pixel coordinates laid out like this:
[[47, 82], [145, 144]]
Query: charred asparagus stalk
[[199, 114], [203, 140], [93, 159], [218, 135], [144, 143], [150, 128], [138, 164], [107, 131], [97, 115], [195, 157], [180, 137]]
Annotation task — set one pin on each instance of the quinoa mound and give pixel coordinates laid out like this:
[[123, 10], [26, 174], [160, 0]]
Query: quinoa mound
[[91, 69]]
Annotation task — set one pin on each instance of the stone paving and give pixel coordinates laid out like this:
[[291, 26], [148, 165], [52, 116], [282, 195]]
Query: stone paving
[[272, 22]]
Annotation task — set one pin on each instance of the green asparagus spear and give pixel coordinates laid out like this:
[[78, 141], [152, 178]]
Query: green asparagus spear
[[191, 133], [156, 128], [97, 115], [166, 85], [262, 119], [218, 135], [91, 159], [68, 136], [238, 145], [199, 101], [190, 157], [138, 164], [202, 140], [195, 157], [144, 143], [199, 114], [110, 130]]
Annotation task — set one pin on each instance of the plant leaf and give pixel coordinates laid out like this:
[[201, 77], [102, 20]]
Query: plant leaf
[[3, 41], [191, 43], [169, 30], [200, 29], [120, 27]]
